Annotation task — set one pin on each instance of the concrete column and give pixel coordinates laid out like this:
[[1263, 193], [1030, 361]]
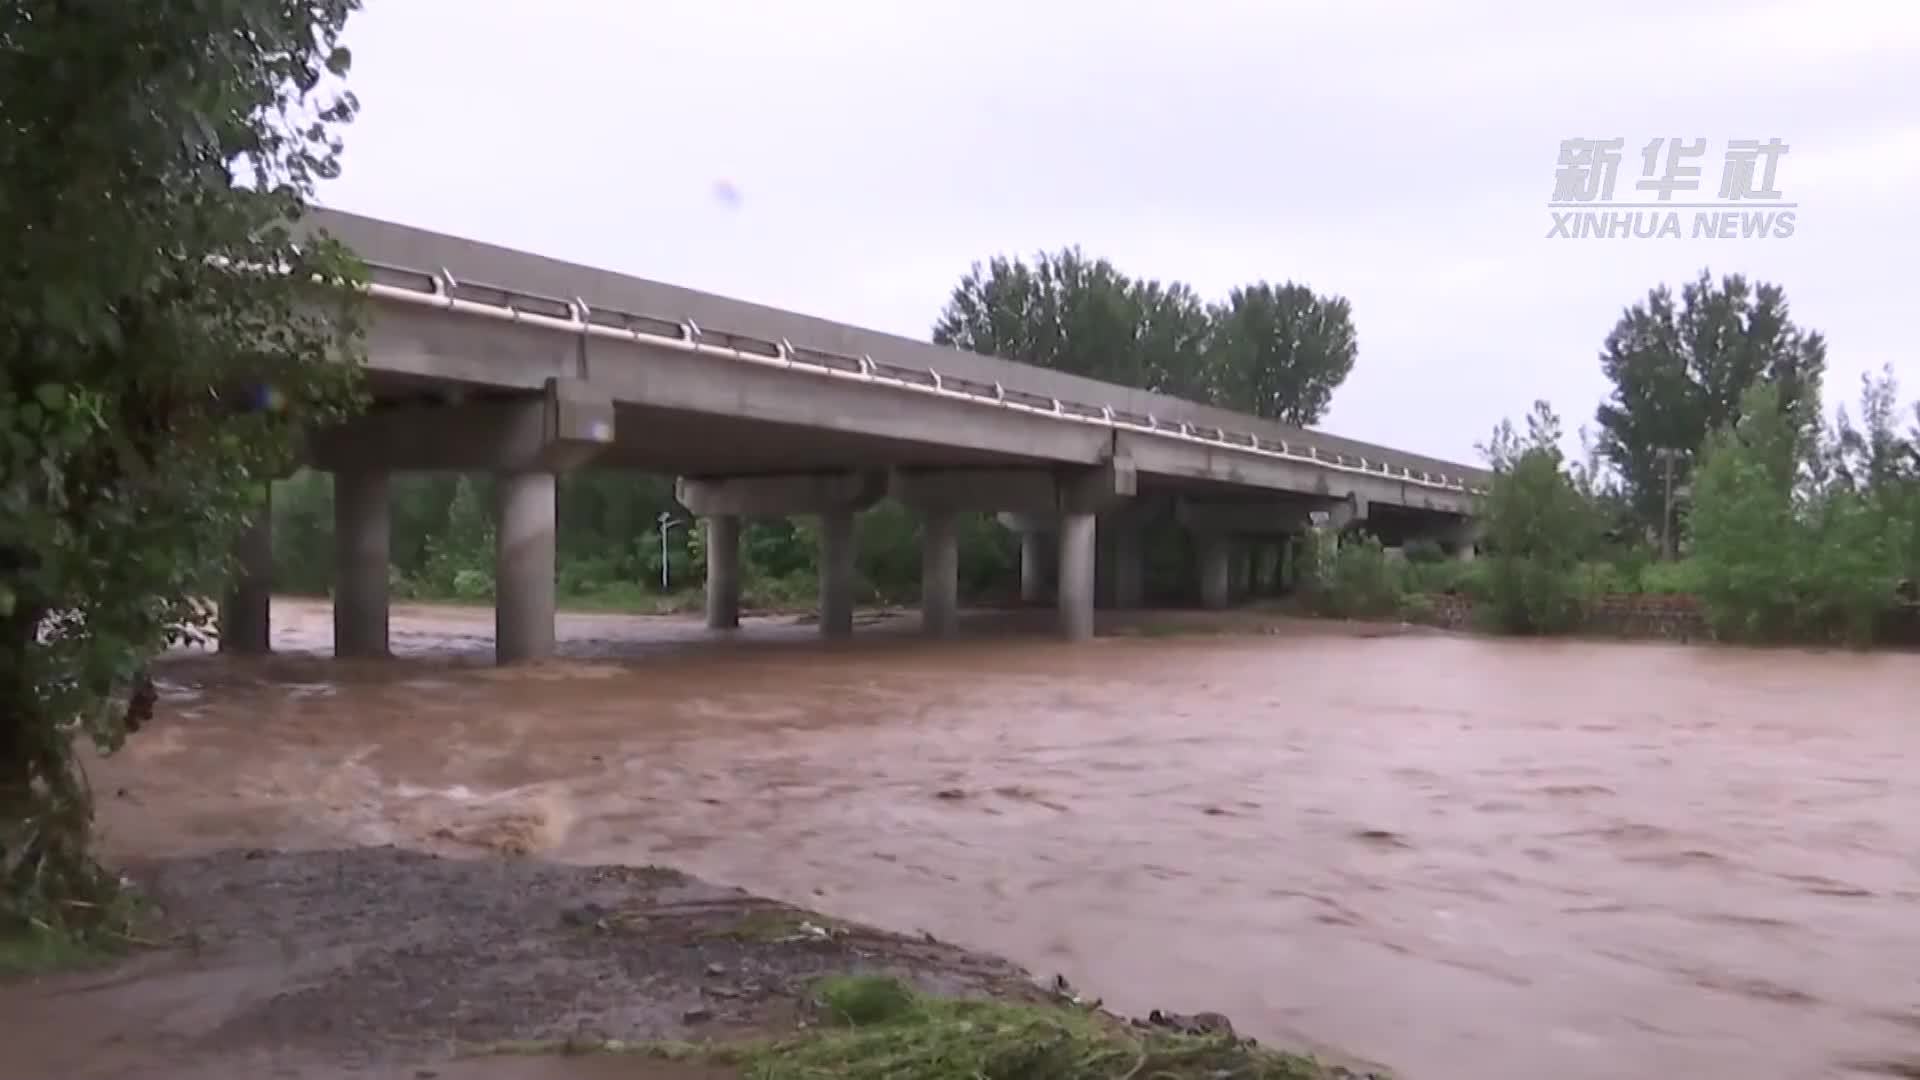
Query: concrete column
[[939, 572], [362, 526], [723, 570], [246, 626], [1033, 567], [1129, 568], [836, 574], [1077, 556], [1215, 553], [523, 569]]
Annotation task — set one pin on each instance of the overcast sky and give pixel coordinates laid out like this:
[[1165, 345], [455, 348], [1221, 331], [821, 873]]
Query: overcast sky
[[1398, 152]]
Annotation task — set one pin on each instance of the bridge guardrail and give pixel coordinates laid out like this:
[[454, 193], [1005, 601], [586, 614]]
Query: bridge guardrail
[[441, 289]]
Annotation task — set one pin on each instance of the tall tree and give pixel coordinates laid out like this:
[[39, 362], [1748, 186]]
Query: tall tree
[[162, 337], [1541, 520], [1172, 329], [1066, 312], [1280, 351], [1679, 371]]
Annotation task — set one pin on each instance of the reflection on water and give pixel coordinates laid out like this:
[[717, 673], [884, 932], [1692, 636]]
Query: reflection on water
[[1463, 858]]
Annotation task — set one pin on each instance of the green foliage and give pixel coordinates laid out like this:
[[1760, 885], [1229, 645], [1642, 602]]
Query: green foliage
[[939, 1038], [1274, 351], [1682, 578], [1540, 522], [1788, 551], [1280, 351], [163, 336], [1448, 576], [865, 999], [1356, 578], [1679, 370]]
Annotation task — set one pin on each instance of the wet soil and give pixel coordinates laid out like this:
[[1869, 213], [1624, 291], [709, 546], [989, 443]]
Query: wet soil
[[381, 961]]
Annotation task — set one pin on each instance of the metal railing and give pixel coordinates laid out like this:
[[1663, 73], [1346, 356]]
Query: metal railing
[[442, 290]]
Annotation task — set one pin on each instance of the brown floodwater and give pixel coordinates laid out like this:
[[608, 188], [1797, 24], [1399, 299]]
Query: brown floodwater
[[1458, 857]]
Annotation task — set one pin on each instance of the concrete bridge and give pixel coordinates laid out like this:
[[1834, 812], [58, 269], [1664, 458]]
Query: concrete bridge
[[483, 358]]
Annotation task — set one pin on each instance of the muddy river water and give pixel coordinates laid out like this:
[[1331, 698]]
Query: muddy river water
[[1457, 857]]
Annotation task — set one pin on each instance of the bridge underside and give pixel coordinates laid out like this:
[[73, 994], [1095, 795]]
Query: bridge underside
[[765, 413]]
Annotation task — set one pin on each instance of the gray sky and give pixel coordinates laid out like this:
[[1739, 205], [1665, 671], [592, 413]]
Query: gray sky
[[1398, 152]]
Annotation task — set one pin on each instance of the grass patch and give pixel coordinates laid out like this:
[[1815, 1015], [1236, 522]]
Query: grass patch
[[37, 951], [878, 1028], [858, 1000], [908, 1035]]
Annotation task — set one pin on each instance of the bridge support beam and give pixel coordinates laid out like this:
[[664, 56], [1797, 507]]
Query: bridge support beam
[[1122, 568], [362, 528], [556, 429], [1078, 539], [939, 571], [835, 497], [1036, 565], [1215, 554], [1033, 501], [246, 619], [523, 575], [836, 571], [1347, 513], [1461, 538], [723, 571]]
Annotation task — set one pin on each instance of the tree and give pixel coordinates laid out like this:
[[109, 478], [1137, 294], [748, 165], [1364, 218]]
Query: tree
[[1274, 351], [1679, 372], [1789, 551], [162, 338], [1540, 521], [1280, 351], [1066, 312], [1172, 332]]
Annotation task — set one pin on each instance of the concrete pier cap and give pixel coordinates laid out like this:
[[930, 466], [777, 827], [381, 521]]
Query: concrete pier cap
[[781, 494], [554, 430], [834, 496], [1062, 501]]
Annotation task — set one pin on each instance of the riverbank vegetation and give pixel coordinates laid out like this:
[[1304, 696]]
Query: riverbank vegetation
[[876, 1027], [1717, 474], [163, 339]]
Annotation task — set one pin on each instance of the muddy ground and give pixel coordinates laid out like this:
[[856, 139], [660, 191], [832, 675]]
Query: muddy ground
[[386, 962]]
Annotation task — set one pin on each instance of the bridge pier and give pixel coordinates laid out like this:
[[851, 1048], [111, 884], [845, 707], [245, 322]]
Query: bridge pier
[[1035, 566], [362, 532], [246, 620], [523, 575], [525, 439], [834, 497], [836, 572], [1214, 552], [940, 571], [1461, 538], [1078, 553], [1122, 567], [723, 571], [1032, 502]]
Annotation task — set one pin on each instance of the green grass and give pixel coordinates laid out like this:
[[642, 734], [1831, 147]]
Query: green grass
[[878, 1028], [874, 1027], [37, 952]]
